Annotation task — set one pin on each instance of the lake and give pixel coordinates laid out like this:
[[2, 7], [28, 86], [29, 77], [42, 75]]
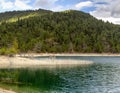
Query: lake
[[101, 77]]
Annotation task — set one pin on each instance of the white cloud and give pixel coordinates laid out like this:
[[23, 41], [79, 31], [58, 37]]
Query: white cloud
[[6, 5], [72, 6], [109, 11], [84, 4], [44, 3], [110, 19], [20, 4]]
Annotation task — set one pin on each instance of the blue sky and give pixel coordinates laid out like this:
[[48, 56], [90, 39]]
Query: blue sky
[[107, 10]]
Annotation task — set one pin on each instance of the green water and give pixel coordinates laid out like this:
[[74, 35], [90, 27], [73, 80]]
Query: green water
[[101, 77]]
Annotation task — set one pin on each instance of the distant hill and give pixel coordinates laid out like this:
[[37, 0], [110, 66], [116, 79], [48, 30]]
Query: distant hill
[[56, 32], [14, 15]]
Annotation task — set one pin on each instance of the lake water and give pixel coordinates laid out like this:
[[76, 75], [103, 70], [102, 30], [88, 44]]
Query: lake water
[[101, 77]]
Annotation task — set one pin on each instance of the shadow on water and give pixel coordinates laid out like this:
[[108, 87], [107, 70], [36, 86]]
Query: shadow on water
[[42, 79]]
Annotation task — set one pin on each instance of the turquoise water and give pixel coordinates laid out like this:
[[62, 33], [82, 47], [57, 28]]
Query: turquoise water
[[101, 77]]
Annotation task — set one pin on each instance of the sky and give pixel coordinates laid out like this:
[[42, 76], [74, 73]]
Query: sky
[[107, 10]]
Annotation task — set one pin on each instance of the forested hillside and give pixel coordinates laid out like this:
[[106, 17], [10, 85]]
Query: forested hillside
[[56, 32]]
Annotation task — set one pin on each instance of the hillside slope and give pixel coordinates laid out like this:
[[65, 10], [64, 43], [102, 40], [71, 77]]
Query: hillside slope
[[56, 32]]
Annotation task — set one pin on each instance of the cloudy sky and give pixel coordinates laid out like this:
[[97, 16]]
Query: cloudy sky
[[107, 10]]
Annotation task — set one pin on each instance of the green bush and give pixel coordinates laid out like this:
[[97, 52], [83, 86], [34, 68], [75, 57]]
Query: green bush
[[12, 51], [3, 51]]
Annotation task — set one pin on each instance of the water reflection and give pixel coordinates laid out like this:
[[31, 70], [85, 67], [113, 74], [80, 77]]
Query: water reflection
[[95, 78]]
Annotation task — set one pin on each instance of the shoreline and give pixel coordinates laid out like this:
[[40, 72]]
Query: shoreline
[[27, 60], [19, 62], [67, 54]]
